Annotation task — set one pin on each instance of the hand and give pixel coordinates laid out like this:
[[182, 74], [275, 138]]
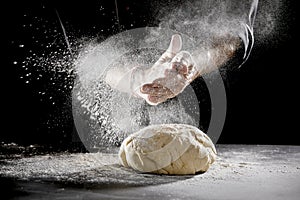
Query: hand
[[168, 77]]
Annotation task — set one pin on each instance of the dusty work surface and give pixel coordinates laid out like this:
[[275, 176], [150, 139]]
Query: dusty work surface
[[240, 172]]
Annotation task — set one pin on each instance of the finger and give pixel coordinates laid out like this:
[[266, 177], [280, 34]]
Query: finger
[[147, 87], [175, 44], [158, 91], [153, 89], [157, 99], [173, 49], [174, 82], [180, 68], [172, 77], [184, 64]]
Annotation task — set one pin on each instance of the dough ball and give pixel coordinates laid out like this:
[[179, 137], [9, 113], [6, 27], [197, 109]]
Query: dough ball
[[168, 149]]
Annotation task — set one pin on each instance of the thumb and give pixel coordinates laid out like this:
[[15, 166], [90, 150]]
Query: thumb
[[175, 44], [173, 49]]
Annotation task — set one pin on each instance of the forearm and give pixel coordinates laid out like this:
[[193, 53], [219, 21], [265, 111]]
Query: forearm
[[214, 57]]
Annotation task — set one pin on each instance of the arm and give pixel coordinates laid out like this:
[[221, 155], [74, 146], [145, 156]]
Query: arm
[[173, 71]]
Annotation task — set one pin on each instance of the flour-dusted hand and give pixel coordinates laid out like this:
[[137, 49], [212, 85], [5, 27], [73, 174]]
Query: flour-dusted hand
[[168, 77]]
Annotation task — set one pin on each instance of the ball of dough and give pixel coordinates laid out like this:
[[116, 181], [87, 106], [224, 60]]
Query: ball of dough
[[168, 149]]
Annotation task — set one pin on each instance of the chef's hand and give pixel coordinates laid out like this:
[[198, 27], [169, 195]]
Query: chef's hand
[[168, 77]]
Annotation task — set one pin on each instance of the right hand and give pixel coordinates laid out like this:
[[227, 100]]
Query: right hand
[[168, 77]]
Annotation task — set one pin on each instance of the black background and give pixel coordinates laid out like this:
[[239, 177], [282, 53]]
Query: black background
[[262, 104]]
